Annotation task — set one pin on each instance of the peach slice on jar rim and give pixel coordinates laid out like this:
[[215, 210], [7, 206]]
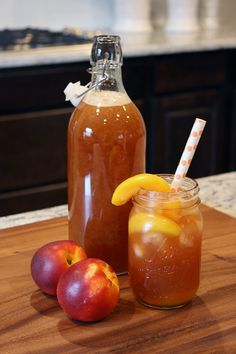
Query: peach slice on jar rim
[[131, 186], [142, 222]]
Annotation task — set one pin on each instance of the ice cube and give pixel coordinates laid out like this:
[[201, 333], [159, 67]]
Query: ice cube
[[153, 237], [186, 239], [138, 250]]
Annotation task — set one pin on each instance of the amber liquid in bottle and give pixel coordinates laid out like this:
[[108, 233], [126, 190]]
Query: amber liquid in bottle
[[106, 145]]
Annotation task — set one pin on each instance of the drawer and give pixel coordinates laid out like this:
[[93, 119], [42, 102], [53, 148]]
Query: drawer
[[29, 89], [190, 71]]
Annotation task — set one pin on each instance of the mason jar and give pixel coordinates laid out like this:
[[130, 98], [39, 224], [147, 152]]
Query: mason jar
[[164, 245]]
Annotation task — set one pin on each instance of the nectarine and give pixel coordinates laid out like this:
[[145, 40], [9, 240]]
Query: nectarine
[[51, 260], [89, 290]]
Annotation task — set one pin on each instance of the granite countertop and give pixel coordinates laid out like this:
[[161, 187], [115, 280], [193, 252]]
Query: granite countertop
[[154, 43], [217, 191]]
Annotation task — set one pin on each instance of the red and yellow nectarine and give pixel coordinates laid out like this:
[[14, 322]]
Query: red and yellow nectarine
[[89, 290], [51, 260]]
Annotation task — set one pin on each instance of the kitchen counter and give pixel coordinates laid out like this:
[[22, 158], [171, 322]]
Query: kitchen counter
[[155, 43], [32, 322], [217, 192]]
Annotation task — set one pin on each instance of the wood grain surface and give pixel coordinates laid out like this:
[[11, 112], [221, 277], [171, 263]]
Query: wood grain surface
[[32, 322]]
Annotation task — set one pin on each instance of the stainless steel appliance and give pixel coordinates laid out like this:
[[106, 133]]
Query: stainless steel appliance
[[27, 38]]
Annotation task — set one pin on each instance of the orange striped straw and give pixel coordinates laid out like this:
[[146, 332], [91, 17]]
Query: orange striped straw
[[188, 153]]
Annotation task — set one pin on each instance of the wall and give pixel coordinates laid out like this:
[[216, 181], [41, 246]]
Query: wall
[[85, 14], [227, 10], [56, 14]]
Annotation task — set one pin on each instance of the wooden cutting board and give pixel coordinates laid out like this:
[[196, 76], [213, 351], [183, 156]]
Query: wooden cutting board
[[32, 322]]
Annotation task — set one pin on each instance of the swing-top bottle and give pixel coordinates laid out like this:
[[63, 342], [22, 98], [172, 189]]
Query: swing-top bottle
[[106, 145]]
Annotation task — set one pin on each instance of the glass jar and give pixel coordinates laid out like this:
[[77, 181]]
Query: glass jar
[[164, 248], [106, 145]]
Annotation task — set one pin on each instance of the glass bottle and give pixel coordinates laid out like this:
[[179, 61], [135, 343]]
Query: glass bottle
[[165, 233], [106, 145]]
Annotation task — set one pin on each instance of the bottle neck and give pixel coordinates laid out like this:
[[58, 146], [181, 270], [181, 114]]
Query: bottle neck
[[113, 80]]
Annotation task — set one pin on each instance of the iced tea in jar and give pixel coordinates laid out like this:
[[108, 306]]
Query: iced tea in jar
[[106, 144], [165, 232]]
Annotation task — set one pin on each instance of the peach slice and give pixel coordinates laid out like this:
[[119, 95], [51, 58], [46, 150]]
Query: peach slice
[[142, 222], [172, 209], [131, 186]]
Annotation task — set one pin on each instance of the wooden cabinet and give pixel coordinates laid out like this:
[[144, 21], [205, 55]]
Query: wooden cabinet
[[33, 128], [170, 91]]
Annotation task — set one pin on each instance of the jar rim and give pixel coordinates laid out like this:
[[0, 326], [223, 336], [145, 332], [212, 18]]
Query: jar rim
[[192, 190]]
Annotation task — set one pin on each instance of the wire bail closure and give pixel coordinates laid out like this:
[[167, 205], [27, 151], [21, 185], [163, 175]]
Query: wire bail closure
[[105, 76], [75, 92]]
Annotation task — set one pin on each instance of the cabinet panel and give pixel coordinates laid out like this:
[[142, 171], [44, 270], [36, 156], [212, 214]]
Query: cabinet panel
[[33, 149], [173, 117], [177, 73]]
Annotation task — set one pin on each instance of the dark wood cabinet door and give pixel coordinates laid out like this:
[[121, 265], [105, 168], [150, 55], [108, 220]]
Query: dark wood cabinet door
[[33, 160], [172, 119]]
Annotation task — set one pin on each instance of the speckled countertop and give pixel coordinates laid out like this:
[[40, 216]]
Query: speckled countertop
[[217, 191], [154, 43]]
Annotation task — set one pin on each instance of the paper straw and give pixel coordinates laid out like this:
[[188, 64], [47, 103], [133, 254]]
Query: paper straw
[[188, 153]]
